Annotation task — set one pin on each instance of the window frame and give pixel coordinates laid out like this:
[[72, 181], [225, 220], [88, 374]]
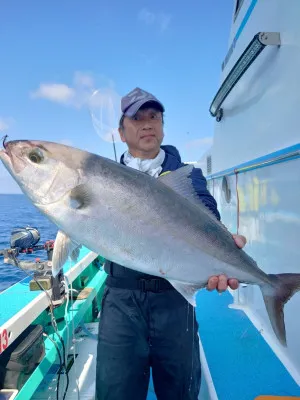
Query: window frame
[[238, 6]]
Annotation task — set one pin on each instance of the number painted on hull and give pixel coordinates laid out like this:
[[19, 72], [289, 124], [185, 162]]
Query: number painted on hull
[[3, 340]]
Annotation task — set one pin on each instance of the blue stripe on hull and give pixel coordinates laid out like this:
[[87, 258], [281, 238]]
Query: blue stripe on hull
[[245, 19], [239, 31], [268, 157]]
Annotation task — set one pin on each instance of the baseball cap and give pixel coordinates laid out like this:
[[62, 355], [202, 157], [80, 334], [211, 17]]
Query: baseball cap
[[134, 100]]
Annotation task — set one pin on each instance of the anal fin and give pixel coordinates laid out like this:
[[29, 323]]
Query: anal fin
[[187, 290]]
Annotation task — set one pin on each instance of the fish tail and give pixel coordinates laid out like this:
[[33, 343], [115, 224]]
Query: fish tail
[[275, 297]]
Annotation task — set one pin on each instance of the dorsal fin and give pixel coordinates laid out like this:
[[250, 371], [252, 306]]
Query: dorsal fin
[[181, 182]]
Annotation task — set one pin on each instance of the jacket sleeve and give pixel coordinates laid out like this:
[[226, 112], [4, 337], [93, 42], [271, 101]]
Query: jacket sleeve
[[200, 186]]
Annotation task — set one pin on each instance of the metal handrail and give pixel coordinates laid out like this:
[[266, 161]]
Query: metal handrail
[[257, 164], [274, 160], [255, 47]]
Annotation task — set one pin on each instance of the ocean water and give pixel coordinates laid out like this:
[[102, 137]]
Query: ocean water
[[17, 211]]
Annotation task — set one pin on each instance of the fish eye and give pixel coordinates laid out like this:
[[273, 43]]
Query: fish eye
[[36, 156]]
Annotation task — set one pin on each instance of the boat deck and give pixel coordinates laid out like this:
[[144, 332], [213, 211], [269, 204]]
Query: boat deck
[[83, 372], [236, 356], [242, 365]]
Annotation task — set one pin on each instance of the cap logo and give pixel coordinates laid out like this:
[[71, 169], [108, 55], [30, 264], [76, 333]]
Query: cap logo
[[138, 94]]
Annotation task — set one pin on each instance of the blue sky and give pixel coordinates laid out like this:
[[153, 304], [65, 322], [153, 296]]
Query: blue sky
[[56, 54]]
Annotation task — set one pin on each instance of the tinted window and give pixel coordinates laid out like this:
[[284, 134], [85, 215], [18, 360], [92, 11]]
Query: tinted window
[[238, 6], [208, 164]]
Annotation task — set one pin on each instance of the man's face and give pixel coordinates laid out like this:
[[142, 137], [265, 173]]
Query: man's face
[[143, 133]]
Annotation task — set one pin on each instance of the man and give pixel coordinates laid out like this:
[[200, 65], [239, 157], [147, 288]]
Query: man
[[144, 321]]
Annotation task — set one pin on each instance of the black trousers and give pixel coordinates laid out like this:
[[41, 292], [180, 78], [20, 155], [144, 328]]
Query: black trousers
[[139, 330]]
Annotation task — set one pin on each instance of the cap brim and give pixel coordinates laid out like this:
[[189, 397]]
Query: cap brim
[[134, 108]]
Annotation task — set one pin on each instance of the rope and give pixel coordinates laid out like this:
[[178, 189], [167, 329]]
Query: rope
[[238, 202], [73, 338]]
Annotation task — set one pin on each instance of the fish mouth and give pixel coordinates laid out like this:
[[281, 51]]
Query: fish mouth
[[5, 154], [10, 158]]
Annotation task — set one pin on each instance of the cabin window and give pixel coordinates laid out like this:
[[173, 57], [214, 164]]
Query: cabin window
[[208, 165], [226, 189], [238, 7]]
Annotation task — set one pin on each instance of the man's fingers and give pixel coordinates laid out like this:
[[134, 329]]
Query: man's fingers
[[212, 283], [240, 240], [233, 283], [222, 284]]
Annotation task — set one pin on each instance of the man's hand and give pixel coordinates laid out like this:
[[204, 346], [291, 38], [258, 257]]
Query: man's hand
[[221, 282]]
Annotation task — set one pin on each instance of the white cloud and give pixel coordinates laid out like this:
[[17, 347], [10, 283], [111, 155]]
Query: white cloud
[[147, 16], [57, 92], [83, 79], [5, 123], [102, 102], [76, 95], [164, 21], [202, 143], [160, 19]]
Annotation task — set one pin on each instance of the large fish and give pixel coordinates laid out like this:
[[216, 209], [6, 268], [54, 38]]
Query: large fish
[[156, 226]]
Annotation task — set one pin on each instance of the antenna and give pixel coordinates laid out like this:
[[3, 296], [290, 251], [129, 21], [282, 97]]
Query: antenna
[[114, 146]]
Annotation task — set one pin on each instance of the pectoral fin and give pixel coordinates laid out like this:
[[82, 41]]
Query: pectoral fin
[[64, 247]]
